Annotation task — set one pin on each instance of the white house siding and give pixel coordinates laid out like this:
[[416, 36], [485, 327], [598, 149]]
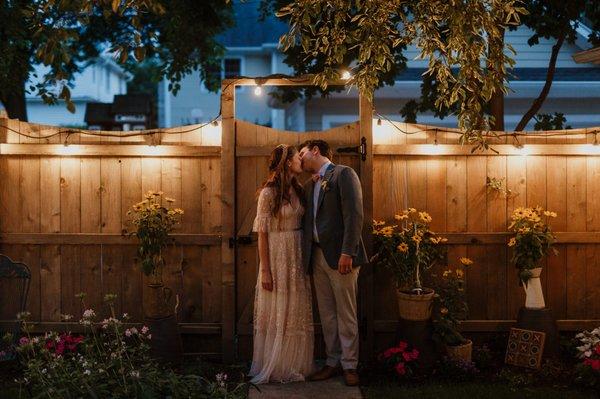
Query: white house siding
[[99, 82]]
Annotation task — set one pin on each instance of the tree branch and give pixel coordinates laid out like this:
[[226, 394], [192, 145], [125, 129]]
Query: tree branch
[[538, 102]]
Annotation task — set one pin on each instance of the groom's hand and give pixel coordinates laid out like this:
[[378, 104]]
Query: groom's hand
[[345, 264]]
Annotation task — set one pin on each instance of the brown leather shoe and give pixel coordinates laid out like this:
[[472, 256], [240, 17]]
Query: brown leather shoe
[[351, 377], [325, 373]]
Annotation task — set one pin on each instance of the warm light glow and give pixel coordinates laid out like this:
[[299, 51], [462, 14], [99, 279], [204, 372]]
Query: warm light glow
[[346, 75], [523, 151], [258, 91], [153, 150], [67, 150], [211, 134], [432, 149]]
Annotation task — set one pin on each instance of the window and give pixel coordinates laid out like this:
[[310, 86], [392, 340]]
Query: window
[[232, 67]]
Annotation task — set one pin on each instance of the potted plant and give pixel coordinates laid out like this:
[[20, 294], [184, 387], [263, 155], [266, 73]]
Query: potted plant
[[408, 248], [532, 240], [451, 307], [153, 222], [154, 219]]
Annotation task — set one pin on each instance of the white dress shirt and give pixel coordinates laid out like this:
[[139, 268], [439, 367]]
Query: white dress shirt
[[316, 192]]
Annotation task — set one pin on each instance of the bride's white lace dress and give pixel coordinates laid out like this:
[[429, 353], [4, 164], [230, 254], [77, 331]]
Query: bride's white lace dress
[[283, 323]]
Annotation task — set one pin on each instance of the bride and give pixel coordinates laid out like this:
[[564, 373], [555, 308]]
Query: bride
[[283, 329]]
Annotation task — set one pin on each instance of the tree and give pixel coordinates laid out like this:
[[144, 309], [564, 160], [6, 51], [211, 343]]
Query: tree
[[453, 35], [66, 34]]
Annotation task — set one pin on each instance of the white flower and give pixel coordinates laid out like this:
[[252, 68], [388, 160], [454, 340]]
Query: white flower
[[145, 330], [135, 374], [134, 330], [128, 332], [87, 372], [125, 316], [89, 313], [149, 336], [587, 353], [221, 379], [44, 371], [35, 340]]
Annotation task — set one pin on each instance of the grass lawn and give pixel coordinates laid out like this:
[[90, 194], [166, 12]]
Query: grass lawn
[[472, 390]]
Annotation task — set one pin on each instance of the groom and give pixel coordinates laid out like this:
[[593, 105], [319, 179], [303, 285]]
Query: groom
[[333, 253]]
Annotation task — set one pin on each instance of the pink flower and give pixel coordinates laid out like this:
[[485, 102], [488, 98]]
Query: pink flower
[[23, 341], [597, 350], [415, 354], [402, 346], [145, 330], [391, 352], [128, 332], [407, 356], [400, 369]]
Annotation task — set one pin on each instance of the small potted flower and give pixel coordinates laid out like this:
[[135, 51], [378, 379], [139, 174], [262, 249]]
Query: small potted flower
[[451, 307], [400, 359], [532, 240], [408, 248]]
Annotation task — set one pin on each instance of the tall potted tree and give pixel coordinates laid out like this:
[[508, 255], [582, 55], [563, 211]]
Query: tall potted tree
[[532, 240], [408, 248], [154, 219]]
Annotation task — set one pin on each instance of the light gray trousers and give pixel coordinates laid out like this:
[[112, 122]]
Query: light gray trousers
[[336, 298]]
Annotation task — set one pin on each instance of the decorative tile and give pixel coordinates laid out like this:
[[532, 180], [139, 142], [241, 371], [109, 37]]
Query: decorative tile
[[525, 348]]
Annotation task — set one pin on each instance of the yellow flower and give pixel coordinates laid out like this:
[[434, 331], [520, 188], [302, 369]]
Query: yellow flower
[[466, 261], [459, 273], [435, 240], [444, 240], [447, 273], [550, 214], [444, 310], [401, 217], [171, 212], [524, 230], [512, 242], [416, 238], [178, 211], [378, 222], [403, 247], [412, 210], [169, 199], [425, 217]]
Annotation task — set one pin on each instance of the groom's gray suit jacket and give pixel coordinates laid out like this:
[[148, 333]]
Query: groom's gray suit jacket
[[339, 217]]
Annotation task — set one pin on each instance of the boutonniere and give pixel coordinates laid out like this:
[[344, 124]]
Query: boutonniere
[[324, 186]]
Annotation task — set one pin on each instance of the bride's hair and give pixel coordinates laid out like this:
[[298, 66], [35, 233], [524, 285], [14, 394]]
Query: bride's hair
[[279, 177]]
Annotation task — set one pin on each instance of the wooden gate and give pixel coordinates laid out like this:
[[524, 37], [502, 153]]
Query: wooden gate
[[245, 154]]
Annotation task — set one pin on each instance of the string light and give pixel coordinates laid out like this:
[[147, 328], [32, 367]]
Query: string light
[[346, 75], [258, 91]]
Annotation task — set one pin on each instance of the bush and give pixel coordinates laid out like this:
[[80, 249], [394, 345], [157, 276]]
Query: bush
[[109, 360]]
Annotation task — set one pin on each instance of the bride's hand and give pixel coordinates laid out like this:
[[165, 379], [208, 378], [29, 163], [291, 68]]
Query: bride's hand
[[266, 279]]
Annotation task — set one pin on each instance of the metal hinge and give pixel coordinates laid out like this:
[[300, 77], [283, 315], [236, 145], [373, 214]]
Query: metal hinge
[[359, 149], [240, 240]]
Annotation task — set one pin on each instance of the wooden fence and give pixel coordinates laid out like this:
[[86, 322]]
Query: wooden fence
[[63, 212]]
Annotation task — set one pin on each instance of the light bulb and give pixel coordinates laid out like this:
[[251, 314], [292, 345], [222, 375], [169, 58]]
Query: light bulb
[[258, 91], [346, 75]]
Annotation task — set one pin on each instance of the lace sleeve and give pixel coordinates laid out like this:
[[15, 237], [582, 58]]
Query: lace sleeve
[[262, 223]]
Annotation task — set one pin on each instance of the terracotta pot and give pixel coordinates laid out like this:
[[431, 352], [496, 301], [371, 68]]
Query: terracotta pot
[[460, 352], [415, 307], [534, 296]]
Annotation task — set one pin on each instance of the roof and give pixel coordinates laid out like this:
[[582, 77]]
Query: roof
[[525, 74], [132, 104], [98, 113], [249, 31]]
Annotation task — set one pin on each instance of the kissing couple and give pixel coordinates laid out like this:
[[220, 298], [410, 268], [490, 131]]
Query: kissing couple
[[303, 230]]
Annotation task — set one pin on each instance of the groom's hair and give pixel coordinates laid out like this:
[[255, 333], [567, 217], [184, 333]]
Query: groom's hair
[[323, 146]]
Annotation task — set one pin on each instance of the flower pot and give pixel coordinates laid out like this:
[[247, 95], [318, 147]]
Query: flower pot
[[460, 352], [156, 299], [415, 307], [534, 296]]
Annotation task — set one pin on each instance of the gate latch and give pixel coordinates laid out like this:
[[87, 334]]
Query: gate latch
[[359, 149]]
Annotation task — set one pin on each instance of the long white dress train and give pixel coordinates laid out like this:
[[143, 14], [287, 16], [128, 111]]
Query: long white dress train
[[283, 323]]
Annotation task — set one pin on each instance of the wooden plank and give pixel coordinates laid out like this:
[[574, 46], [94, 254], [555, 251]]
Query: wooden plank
[[11, 194], [29, 194], [497, 325], [131, 283], [90, 277], [516, 182], [107, 239], [111, 195], [212, 299], [50, 191], [433, 150], [50, 283], [184, 328], [191, 195], [108, 150], [91, 191], [111, 269], [131, 179], [577, 194], [576, 281], [436, 193], [592, 284], [556, 294], [70, 273], [417, 191], [193, 284], [476, 276], [456, 194], [70, 199], [228, 222]]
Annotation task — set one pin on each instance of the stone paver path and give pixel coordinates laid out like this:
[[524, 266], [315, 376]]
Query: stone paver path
[[333, 388]]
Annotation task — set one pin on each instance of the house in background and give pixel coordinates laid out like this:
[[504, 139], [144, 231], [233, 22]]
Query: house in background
[[126, 112], [100, 81], [252, 51]]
